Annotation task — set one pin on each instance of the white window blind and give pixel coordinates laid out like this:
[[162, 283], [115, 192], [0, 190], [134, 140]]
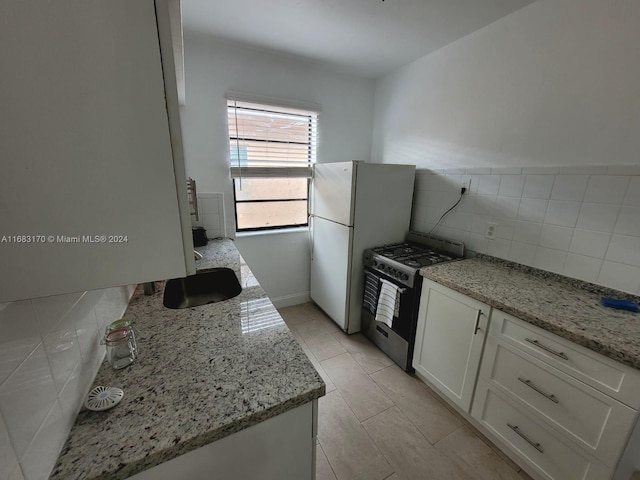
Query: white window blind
[[271, 141]]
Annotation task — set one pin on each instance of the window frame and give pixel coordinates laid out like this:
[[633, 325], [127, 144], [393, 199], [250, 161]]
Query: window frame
[[270, 227], [240, 172]]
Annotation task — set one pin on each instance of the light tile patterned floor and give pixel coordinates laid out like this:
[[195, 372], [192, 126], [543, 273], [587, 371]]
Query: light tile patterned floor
[[379, 423]]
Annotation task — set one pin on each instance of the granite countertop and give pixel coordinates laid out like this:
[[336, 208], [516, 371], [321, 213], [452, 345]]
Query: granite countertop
[[567, 307], [203, 373]]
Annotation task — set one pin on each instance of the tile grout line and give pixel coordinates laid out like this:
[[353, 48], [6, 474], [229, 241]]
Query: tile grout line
[[327, 459]]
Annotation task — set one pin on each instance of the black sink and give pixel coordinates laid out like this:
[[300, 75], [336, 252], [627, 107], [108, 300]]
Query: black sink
[[215, 285]]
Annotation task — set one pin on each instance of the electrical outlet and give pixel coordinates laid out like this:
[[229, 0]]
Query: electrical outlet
[[466, 184], [490, 230]]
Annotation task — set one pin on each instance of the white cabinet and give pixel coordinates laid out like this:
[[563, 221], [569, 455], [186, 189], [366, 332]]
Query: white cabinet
[[528, 441], [554, 404], [449, 341], [561, 411], [281, 447], [92, 191]]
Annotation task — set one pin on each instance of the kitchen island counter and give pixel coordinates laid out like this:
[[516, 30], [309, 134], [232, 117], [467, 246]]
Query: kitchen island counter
[[564, 306], [203, 373]]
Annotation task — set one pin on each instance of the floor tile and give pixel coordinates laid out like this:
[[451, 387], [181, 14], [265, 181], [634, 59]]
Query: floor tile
[[370, 357], [349, 450], [363, 395], [468, 450], [408, 451], [424, 410], [323, 469], [321, 343], [324, 346], [312, 328], [495, 449], [295, 315], [330, 325], [329, 385]]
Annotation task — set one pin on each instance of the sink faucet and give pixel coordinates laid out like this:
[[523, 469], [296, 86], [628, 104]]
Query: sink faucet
[[197, 255]]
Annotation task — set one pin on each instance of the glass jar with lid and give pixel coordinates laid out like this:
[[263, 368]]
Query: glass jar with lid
[[121, 350], [124, 323]]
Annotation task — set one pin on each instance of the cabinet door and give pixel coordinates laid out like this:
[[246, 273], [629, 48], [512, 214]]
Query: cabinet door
[[88, 193], [449, 341]]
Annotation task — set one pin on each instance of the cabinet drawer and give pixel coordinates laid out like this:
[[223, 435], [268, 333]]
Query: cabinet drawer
[[602, 373], [595, 421], [552, 456]]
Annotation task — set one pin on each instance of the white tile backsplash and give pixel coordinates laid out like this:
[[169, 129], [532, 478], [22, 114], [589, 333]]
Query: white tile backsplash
[[26, 398], [582, 267], [527, 232], [607, 189], [488, 184], [590, 243], [582, 222], [532, 209], [632, 198], [562, 213], [569, 187], [624, 249], [522, 253], [555, 237], [538, 186], [511, 186], [507, 207], [49, 355], [620, 276], [598, 216], [45, 447], [550, 259], [628, 221]]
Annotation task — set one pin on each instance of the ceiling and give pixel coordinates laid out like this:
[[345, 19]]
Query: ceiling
[[363, 37]]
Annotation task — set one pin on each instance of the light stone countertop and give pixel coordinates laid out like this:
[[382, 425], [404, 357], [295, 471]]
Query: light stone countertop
[[567, 307], [203, 373]]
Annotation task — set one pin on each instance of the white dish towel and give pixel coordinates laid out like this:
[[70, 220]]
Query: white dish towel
[[388, 302]]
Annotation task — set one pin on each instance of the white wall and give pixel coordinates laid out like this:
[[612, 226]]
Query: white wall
[[213, 68], [583, 222], [49, 356], [540, 109], [281, 262], [554, 83]]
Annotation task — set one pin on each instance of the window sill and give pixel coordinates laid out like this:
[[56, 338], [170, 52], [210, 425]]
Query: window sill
[[275, 231]]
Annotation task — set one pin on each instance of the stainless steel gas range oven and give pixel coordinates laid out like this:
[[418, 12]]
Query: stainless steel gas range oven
[[392, 290]]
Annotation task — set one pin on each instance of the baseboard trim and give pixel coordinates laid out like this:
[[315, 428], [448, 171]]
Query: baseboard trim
[[290, 300]]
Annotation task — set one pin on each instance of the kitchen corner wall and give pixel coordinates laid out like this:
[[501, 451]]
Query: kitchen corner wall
[[583, 222], [279, 259], [49, 355]]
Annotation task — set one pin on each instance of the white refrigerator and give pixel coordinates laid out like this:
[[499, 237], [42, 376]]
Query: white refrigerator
[[354, 206]]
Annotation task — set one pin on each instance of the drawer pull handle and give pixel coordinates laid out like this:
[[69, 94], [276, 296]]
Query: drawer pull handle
[[544, 347], [381, 331], [529, 384], [477, 327], [535, 445]]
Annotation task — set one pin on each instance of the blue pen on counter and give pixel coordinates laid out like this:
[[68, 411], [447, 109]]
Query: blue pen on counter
[[620, 304]]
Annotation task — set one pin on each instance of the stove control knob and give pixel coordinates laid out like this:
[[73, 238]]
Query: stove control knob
[[405, 276]]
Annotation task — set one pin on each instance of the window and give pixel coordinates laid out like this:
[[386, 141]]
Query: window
[[272, 150]]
